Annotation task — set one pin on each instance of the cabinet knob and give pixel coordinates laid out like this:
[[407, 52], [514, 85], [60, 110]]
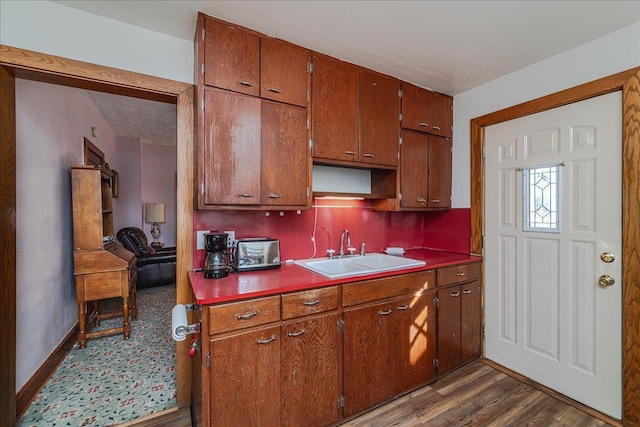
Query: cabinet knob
[[436, 127], [351, 153], [455, 294], [274, 196], [466, 291], [435, 200], [421, 200], [460, 273], [273, 89], [245, 83], [246, 195], [245, 316], [369, 155], [384, 313], [311, 303], [297, 334], [424, 124]]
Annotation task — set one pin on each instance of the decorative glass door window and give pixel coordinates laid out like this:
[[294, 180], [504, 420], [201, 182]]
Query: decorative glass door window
[[541, 198]]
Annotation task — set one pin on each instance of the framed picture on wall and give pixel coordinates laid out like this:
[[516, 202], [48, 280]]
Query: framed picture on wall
[[115, 183]]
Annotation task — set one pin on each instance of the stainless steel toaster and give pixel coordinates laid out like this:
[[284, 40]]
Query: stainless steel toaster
[[256, 253]]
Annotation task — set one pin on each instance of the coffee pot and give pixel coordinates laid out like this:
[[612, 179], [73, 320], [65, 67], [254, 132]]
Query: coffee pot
[[217, 261]]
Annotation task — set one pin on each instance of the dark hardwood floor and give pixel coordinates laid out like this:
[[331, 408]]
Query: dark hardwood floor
[[477, 395]]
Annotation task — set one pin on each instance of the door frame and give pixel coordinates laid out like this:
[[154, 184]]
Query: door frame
[[22, 63], [629, 82]]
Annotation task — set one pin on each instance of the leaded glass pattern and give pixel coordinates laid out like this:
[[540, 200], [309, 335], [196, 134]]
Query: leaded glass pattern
[[541, 198]]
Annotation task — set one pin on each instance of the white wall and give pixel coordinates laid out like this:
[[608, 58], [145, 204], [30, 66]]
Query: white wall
[[50, 124], [52, 28], [615, 52], [129, 209], [159, 186]]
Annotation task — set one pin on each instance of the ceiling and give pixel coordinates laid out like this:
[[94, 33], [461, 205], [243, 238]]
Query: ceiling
[[448, 46]]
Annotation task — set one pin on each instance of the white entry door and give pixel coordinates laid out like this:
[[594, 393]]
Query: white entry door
[[553, 225]]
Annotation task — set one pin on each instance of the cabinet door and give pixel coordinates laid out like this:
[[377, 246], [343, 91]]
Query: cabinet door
[[439, 172], [284, 72], [415, 108], [414, 342], [310, 372], [368, 350], [231, 152], [414, 170], [448, 328], [379, 119], [231, 58], [245, 379], [335, 109], [440, 114], [470, 321], [285, 155]]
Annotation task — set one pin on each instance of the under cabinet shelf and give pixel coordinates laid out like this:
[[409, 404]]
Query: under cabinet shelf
[[369, 196]]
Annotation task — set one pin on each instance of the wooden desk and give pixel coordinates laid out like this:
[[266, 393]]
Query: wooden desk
[[102, 274]]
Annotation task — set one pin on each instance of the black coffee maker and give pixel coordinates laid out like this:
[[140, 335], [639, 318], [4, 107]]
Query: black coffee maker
[[216, 264]]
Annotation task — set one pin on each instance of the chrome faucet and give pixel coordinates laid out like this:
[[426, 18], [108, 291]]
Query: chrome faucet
[[342, 236]]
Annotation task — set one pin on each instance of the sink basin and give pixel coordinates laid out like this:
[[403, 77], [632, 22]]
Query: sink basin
[[358, 265]]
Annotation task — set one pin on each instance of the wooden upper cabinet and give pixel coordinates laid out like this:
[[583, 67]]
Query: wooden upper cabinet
[[231, 149], [285, 155], [441, 114], [414, 170], [379, 119], [231, 57], [335, 109], [284, 73], [426, 111], [439, 172]]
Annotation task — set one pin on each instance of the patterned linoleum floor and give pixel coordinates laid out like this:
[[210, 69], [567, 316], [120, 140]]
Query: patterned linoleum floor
[[114, 380]]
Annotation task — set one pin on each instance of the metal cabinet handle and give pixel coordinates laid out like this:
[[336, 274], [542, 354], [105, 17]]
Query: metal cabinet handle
[[455, 294], [421, 200], [466, 291], [384, 313], [246, 195], [273, 89], [266, 340], [351, 153], [435, 200], [245, 83], [402, 307], [274, 196], [460, 274], [369, 155], [436, 127], [311, 303], [297, 334], [247, 315], [424, 124]]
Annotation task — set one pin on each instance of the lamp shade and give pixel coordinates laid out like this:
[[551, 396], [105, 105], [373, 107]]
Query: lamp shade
[[154, 212]]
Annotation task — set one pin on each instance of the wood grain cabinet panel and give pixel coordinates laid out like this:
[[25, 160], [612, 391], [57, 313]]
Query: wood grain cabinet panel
[[335, 109], [414, 170], [470, 321], [230, 153], [440, 168], [448, 328], [284, 74], [310, 385], [231, 57], [243, 314], [426, 111], [244, 381], [314, 301], [284, 155], [459, 273], [379, 119]]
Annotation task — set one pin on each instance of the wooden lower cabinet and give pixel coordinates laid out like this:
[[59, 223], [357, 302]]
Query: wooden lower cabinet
[[310, 386], [459, 325], [389, 348], [245, 386]]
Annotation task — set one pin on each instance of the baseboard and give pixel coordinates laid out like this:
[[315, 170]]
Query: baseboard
[[30, 390], [584, 408]]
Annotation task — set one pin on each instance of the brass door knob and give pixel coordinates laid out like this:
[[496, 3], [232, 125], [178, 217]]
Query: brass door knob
[[607, 257], [606, 280]]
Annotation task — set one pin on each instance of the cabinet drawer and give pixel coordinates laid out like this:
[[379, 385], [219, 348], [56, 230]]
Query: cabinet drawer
[[244, 314], [458, 274], [373, 290], [309, 302]]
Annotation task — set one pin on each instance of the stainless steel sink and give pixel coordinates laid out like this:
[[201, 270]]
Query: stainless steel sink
[[358, 265]]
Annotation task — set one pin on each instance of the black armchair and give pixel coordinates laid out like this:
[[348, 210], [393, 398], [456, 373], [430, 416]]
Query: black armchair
[[156, 267]]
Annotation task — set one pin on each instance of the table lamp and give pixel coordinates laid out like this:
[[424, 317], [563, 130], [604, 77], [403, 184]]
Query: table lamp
[[154, 213]]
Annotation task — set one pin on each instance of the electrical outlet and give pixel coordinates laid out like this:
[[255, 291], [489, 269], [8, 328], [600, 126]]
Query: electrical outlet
[[200, 239], [231, 238]]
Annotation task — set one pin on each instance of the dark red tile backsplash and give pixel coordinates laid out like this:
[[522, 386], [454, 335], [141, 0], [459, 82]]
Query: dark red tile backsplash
[[437, 230]]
